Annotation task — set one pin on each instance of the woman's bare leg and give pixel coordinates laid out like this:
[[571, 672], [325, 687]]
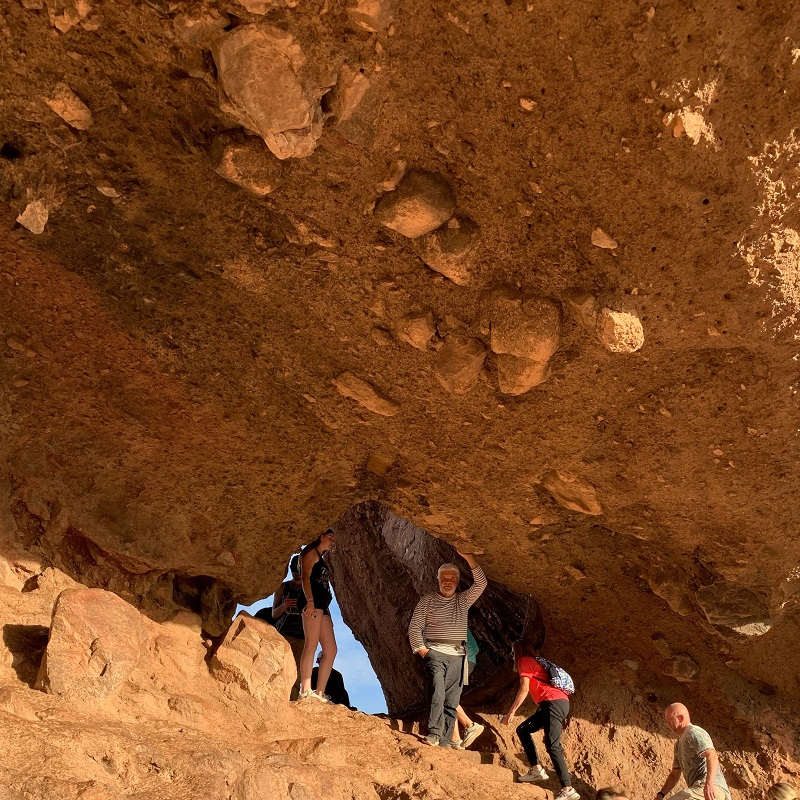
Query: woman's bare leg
[[329, 650], [311, 630]]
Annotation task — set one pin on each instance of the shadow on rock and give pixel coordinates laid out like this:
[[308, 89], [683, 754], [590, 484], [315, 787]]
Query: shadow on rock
[[27, 644]]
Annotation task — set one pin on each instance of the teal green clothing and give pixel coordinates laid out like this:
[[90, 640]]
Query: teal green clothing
[[472, 647]]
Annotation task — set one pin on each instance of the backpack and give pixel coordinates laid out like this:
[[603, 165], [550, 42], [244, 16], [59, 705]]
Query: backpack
[[559, 678]]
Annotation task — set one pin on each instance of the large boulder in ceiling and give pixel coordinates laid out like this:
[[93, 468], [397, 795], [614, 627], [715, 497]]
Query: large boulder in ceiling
[[258, 68], [734, 608], [421, 202]]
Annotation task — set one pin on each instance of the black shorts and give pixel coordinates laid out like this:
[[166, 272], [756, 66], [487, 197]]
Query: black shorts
[[320, 603]]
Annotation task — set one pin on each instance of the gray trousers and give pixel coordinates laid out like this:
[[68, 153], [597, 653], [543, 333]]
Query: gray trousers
[[446, 677]]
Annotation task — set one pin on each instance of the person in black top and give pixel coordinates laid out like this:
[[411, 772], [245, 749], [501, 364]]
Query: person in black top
[[313, 604], [286, 616]]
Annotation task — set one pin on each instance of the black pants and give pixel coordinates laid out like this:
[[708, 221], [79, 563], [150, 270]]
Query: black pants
[[447, 678], [550, 717]]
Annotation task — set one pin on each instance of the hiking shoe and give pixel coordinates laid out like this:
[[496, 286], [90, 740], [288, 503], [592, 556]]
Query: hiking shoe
[[432, 739], [535, 776], [312, 695], [567, 793], [449, 744], [471, 734]]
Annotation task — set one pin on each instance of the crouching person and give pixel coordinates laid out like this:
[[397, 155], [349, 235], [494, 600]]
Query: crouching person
[[438, 633]]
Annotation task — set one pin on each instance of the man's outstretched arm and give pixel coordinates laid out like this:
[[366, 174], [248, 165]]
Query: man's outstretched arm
[[479, 581]]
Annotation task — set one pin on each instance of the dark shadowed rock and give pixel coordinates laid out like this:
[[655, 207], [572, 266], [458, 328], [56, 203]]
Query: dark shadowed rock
[[728, 605], [96, 640], [421, 202], [682, 667]]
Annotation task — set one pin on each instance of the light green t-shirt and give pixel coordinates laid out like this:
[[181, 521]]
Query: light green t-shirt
[[691, 743]]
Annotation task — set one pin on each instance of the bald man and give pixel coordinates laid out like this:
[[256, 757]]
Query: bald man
[[695, 759]]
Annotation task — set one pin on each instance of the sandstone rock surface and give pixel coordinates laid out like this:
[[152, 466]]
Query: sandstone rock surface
[[459, 363], [257, 659], [449, 249], [365, 394], [736, 608], [258, 71], [96, 640], [572, 491], [34, 216], [682, 667], [421, 202]]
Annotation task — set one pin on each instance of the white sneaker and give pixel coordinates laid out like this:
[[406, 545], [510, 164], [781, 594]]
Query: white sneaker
[[534, 776], [312, 695], [567, 793], [471, 734]]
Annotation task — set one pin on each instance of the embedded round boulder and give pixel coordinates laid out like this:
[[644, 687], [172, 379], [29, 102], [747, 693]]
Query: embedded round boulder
[[449, 249], [258, 68], [682, 667], [421, 202], [526, 327], [459, 363], [518, 375], [247, 163], [734, 608]]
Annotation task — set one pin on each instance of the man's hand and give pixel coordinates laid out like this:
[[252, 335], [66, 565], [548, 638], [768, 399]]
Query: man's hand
[[708, 790], [290, 602], [423, 651], [469, 558], [507, 719]]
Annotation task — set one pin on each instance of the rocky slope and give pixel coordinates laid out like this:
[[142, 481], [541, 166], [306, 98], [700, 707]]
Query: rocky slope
[[525, 274]]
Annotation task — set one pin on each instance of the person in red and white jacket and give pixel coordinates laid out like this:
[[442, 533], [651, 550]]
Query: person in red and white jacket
[[549, 716]]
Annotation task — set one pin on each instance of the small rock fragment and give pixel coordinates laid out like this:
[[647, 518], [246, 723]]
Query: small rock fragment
[[202, 29], [70, 107], [448, 249], [258, 68], [393, 176], [527, 103], [64, 14], [416, 328], [350, 385], [519, 375], [34, 217], [601, 239], [459, 363], [785, 597], [109, 191], [379, 463], [351, 86], [583, 306], [96, 640], [371, 15], [682, 667], [381, 337], [246, 163], [420, 204], [612, 318], [572, 492]]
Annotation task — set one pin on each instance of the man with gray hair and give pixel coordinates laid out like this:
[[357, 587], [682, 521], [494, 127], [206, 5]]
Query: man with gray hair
[[438, 632]]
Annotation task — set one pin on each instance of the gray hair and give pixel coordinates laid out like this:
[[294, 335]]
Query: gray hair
[[449, 568]]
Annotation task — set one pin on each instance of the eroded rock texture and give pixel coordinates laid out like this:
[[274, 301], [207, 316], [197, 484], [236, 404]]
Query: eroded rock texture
[[198, 376]]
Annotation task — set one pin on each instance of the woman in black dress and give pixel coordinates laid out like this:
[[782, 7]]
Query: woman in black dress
[[313, 603]]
